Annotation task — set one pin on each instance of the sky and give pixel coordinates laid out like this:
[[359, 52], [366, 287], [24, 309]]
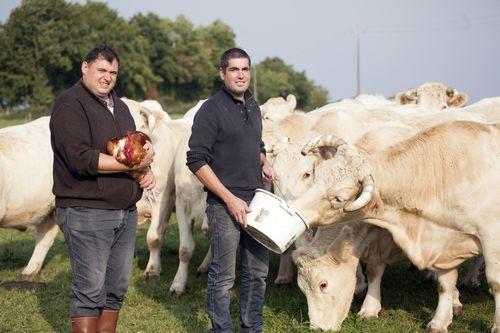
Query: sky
[[402, 44]]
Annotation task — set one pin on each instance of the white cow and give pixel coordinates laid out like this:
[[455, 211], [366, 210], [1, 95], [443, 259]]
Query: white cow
[[444, 179], [435, 96], [190, 197], [26, 197], [155, 124], [327, 270]]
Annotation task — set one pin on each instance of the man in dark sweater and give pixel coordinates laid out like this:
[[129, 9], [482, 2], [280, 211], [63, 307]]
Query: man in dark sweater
[[95, 199], [227, 155]]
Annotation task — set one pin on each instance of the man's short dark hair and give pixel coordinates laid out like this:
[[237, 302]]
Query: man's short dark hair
[[102, 51], [231, 54]]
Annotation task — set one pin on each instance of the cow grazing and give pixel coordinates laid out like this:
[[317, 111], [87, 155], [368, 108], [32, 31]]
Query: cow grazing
[[433, 179], [327, 270]]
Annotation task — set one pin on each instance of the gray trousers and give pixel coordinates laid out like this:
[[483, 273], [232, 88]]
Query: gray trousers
[[100, 247], [226, 235]]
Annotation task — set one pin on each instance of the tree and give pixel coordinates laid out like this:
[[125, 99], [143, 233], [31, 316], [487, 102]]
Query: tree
[[44, 42], [275, 78]]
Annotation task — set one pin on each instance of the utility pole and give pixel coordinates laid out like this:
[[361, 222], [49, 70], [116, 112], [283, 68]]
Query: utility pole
[[358, 71], [255, 96]]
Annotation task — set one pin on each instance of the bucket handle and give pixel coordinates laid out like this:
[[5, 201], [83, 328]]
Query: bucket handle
[[288, 208]]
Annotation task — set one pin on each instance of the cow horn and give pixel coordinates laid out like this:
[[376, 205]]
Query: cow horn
[[365, 196], [323, 141]]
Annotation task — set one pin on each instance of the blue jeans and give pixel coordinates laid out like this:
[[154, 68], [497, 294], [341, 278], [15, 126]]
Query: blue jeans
[[225, 236], [100, 247]]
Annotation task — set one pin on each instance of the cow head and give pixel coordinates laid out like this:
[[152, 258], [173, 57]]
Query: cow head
[[341, 185], [327, 277], [145, 119], [434, 96], [277, 108]]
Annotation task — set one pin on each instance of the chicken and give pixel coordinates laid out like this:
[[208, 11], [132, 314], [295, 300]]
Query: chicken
[[129, 150]]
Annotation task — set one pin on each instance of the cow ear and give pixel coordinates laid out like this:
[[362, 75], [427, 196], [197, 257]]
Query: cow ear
[[342, 247], [149, 118], [458, 101], [408, 97], [292, 102]]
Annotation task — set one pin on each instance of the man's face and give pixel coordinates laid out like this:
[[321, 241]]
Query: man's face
[[236, 76], [100, 76]]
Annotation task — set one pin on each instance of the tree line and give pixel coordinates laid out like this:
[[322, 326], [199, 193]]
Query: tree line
[[43, 42]]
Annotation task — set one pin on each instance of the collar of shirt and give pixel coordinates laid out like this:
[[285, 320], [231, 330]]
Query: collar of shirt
[[248, 94]]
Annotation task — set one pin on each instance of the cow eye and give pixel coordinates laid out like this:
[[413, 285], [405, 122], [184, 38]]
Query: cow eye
[[306, 175], [323, 285]]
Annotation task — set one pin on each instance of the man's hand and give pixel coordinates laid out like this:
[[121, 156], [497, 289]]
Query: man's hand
[[268, 171], [147, 180], [239, 209], [150, 154]]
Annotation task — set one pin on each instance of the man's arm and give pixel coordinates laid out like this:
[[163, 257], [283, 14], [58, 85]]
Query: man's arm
[[237, 207]]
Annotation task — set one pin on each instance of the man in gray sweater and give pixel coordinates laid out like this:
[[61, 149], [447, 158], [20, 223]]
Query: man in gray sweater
[[228, 156]]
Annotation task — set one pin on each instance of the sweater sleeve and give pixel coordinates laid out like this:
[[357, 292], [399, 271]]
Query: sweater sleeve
[[203, 136], [72, 138]]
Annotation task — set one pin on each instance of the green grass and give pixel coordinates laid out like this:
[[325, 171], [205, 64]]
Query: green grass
[[408, 302], [10, 122]]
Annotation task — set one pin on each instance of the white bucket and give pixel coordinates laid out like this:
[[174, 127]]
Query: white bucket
[[274, 223]]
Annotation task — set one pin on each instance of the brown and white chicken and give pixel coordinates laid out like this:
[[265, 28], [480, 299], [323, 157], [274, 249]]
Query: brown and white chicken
[[129, 150]]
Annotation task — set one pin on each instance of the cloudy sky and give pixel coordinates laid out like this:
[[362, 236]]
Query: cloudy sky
[[402, 43]]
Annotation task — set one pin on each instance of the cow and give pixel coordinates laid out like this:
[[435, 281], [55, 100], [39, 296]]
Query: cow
[[190, 197], [327, 270], [422, 182], [26, 197], [155, 124], [435, 96], [277, 108]]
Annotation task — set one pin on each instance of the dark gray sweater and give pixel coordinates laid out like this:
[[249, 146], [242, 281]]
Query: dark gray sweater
[[80, 127], [227, 135]]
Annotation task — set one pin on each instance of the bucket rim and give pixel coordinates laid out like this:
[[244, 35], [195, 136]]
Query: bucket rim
[[283, 200]]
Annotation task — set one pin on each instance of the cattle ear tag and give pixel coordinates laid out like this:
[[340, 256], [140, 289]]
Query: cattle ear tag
[[262, 215]]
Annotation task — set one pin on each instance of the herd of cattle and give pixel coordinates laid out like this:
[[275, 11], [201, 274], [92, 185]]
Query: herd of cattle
[[416, 175]]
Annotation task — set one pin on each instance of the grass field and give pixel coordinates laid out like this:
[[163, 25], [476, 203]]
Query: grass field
[[408, 302], [10, 122]]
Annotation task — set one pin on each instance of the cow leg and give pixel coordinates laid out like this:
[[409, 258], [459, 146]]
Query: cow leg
[[203, 268], [285, 272], [161, 211], [372, 305], [457, 305], [46, 232], [472, 278], [491, 254], [186, 249], [447, 281], [361, 284]]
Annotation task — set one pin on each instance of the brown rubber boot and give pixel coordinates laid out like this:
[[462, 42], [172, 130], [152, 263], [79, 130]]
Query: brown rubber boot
[[107, 321], [84, 324]]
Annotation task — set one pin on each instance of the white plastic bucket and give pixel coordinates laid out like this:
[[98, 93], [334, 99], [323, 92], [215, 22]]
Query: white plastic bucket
[[274, 223]]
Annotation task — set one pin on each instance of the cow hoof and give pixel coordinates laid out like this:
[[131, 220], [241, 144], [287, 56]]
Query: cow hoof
[[431, 328], [457, 310], [368, 315], [201, 270], [280, 280], [149, 276], [30, 270], [177, 289]]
